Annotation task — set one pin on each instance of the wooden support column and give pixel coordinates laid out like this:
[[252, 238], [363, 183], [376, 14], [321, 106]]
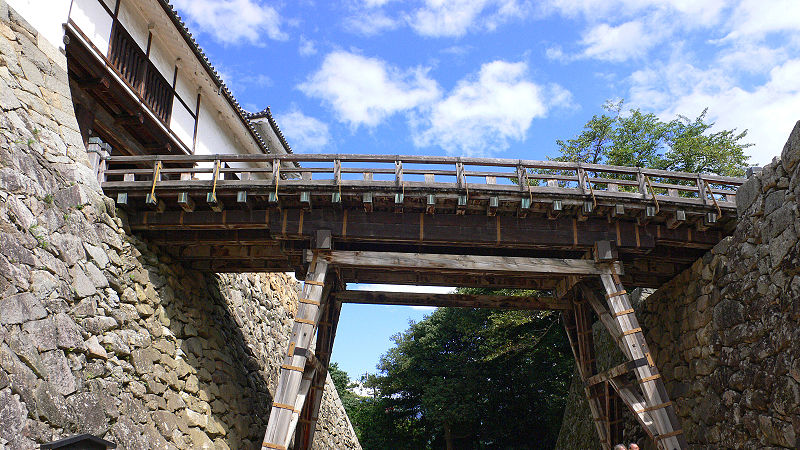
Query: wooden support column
[[579, 331], [325, 336], [291, 383], [668, 434]]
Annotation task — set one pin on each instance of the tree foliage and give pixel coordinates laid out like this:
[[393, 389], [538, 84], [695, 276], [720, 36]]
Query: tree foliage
[[639, 139], [469, 378]]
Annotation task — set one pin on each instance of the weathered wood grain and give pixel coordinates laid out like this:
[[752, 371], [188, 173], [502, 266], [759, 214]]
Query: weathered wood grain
[[451, 300]]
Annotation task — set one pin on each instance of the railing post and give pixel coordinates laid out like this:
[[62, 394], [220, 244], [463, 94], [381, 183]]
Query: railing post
[[398, 173], [581, 179], [337, 171], [701, 189], [99, 152], [640, 180]]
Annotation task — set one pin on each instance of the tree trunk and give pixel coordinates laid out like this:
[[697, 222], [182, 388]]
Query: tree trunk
[[448, 437]]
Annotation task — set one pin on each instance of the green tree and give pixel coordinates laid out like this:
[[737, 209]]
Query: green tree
[[477, 378], [643, 140]]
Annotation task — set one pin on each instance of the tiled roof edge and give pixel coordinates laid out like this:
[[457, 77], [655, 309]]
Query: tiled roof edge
[[266, 112], [187, 36]]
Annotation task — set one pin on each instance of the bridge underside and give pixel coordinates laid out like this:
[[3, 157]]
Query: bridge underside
[[569, 242], [253, 240]]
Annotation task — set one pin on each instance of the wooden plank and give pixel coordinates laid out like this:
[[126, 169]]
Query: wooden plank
[[445, 278], [325, 337], [654, 392], [579, 334], [463, 263], [280, 427], [451, 300]]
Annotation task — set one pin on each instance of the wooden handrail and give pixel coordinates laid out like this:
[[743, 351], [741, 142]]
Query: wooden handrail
[[572, 175], [428, 160]]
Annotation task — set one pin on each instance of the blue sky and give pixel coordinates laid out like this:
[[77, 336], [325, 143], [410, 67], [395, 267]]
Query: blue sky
[[502, 78]]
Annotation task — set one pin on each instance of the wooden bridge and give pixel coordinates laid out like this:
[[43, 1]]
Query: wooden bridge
[[569, 230]]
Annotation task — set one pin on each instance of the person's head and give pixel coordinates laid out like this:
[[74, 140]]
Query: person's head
[[620, 447], [633, 446]]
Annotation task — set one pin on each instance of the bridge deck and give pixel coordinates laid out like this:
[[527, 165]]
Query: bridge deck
[[259, 212]]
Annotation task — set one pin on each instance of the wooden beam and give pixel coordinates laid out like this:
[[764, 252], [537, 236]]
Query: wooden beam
[[464, 263], [450, 300], [446, 278], [440, 229]]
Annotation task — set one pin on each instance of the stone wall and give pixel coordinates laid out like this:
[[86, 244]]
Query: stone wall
[[100, 332], [725, 332]]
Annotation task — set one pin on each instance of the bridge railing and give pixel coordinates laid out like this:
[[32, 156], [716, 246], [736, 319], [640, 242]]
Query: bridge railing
[[419, 172]]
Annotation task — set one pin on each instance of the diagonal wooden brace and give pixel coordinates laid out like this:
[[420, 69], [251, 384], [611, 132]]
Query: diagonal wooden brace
[[623, 325], [295, 378]]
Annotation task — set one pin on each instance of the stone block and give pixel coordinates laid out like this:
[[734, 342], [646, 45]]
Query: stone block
[[58, 372], [97, 254], [791, 150], [12, 415], [200, 440], [81, 284], [20, 308], [747, 194], [41, 334]]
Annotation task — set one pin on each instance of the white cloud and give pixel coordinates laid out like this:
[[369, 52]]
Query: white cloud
[[304, 132], [481, 115], [768, 110], [619, 30], [437, 18], [233, 21], [705, 12], [755, 18], [365, 91], [618, 43], [369, 23], [307, 47]]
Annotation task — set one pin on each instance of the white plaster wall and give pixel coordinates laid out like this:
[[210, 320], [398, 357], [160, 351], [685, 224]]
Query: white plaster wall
[[94, 21], [162, 59], [185, 89], [182, 123], [46, 20], [211, 137], [133, 22]]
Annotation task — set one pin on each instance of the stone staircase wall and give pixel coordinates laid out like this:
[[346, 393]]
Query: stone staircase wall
[[99, 332]]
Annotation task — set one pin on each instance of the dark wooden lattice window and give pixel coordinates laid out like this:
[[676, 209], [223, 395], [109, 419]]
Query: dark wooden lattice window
[[132, 63]]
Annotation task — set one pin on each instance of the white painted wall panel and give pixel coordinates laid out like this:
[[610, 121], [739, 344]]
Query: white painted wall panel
[[182, 123], [48, 22], [211, 137], [94, 21], [164, 62], [186, 89], [133, 22]]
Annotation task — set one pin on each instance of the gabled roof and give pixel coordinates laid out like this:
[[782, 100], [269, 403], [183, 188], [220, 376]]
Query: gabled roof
[[77, 439], [201, 56], [266, 113]]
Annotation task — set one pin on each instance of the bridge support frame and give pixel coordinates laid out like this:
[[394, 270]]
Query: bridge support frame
[[302, 369], [644, 394]]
